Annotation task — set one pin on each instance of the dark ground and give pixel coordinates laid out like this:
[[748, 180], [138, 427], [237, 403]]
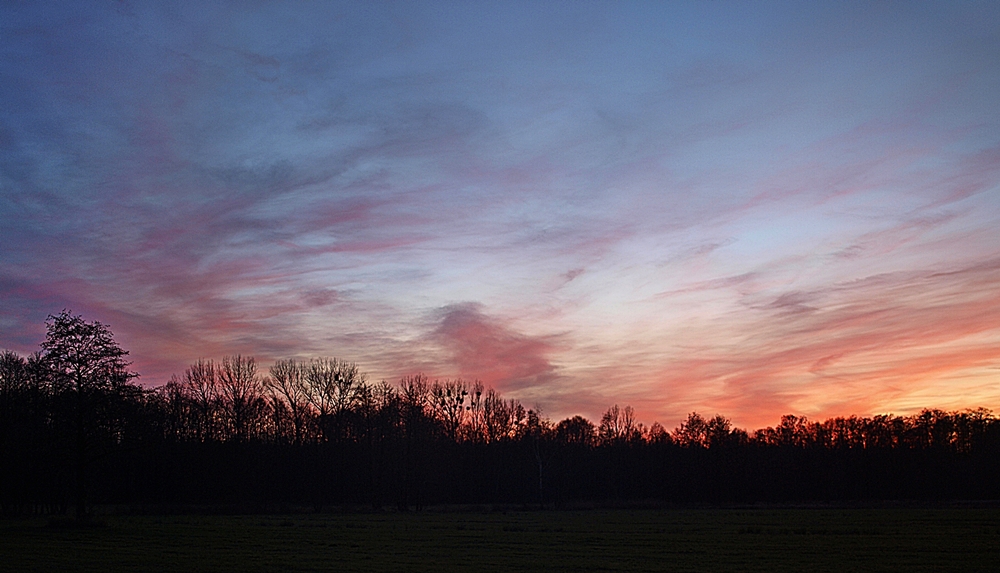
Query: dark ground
[[755, 539]]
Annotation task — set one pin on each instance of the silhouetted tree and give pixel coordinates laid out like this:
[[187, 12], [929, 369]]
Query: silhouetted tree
[[13, 375], [318, 432], [287, 384], [693, 432], [89, 370], [719, 432], [618, 426], [502, 419], [242, 393], [538, 434], [576, 430], [417, 430], [448, 404], [331, 387], [16, 429], [657, 434]]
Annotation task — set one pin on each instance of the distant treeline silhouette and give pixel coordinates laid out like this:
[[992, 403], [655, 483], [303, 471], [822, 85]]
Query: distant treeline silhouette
[[76, 430]]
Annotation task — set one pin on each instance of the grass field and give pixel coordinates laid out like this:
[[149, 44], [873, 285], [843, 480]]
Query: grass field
[[593, 540]]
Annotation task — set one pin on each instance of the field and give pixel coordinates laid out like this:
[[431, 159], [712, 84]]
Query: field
[[593, 540]]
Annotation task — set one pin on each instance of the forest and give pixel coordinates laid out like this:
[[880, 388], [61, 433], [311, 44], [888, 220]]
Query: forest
[[77, 430]]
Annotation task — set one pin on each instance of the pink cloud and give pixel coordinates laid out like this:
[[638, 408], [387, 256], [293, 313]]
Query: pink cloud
[[484, 347]]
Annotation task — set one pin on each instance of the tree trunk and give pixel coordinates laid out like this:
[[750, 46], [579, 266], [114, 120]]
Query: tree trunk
[[81, 458]]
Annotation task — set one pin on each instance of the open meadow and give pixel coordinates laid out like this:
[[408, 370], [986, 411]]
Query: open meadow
[[963, 539]]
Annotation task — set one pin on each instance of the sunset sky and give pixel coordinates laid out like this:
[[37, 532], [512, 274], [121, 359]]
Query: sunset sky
[[748, 208]]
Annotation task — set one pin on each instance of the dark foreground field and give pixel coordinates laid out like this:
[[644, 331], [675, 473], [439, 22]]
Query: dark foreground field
[[595, 540]]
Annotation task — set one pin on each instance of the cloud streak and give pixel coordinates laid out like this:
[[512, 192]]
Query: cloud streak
[[754, 211]]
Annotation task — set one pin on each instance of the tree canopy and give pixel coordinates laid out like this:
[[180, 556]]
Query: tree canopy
[[84, 355], [73, 428]]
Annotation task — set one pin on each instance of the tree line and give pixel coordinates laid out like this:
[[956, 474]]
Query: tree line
[[75, 429]]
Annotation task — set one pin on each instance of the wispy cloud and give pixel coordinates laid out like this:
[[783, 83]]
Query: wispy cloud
[[749, 211]]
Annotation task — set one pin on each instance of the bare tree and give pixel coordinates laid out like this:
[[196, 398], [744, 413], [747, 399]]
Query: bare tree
[[13, 373], [331, 386], [475, 423], [618, 426], [287, 385], [202, 386], [448, 404], [414, 393], [415, 405], [537, 431], [242, 393], [502, 419]]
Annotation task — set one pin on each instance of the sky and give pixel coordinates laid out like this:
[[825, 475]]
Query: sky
[[749, 208]]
